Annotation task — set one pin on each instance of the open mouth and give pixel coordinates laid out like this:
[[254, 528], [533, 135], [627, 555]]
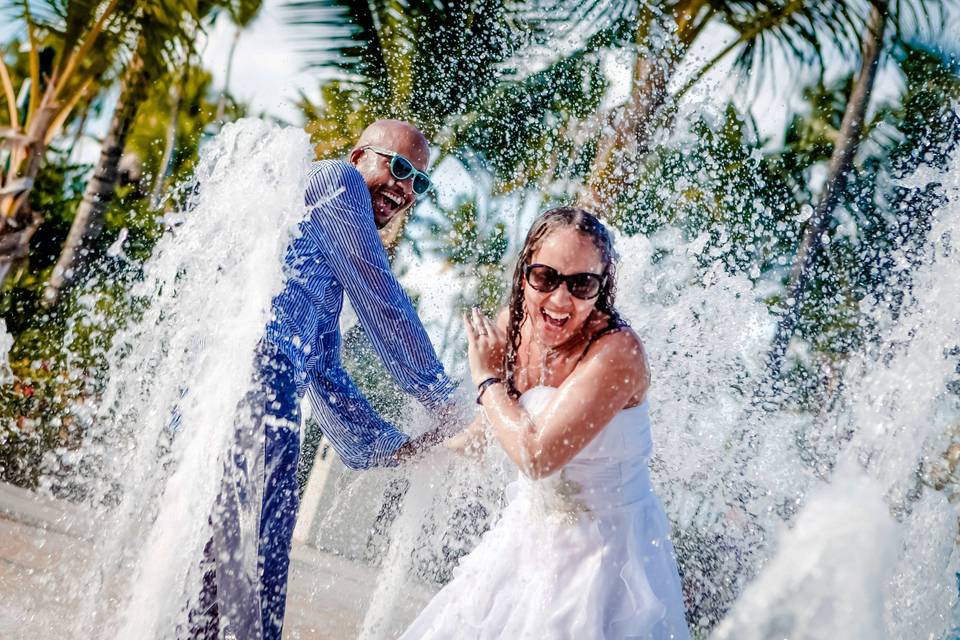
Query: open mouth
[[554, 319], [392, 199], [386, 207]]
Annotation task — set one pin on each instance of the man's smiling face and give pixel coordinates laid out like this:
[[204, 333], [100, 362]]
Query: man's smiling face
[[390, 197]]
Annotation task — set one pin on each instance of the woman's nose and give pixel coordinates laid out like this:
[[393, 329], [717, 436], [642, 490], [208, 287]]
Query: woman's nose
[[560, 297]]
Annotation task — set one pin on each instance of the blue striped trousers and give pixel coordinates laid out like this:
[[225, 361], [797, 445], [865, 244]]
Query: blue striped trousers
[[247, 559]]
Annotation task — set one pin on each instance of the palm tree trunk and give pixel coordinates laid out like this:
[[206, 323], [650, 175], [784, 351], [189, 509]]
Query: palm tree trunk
[[101, 188], [222, 100], [171, 138], [631, 126], [841, 163]]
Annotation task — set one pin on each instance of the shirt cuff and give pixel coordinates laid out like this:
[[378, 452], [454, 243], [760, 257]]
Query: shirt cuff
[[384, 446], [438, 394]]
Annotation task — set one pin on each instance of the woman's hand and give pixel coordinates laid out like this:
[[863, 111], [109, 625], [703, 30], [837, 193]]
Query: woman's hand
[[486, 346]]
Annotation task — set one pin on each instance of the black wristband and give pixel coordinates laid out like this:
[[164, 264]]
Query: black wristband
[[486, 384]]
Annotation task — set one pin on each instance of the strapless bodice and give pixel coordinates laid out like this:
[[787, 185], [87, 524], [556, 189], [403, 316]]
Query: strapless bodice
[[609, 473]]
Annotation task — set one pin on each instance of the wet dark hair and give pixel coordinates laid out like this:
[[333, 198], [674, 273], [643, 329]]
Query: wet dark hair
[[587, 224]]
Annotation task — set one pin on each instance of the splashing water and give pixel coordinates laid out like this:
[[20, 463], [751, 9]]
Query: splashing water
[[873, 551], [176, 376], [6, 341], [787, 524]]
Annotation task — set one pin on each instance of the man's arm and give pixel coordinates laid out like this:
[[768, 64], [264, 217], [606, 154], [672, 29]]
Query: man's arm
[[341, 222], [360, 437]]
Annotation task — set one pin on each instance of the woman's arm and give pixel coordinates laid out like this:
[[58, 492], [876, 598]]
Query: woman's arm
[[612, 373]]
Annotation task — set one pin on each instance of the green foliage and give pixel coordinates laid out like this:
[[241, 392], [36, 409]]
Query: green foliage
[[719, 187], [189, 91], [35, 418], [521, 136], [56, 194], [882, 222], [447, 67], [57, 355]]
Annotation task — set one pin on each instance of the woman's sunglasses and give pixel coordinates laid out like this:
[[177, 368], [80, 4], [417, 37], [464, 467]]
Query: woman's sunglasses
[[546, 279], [401, 169]]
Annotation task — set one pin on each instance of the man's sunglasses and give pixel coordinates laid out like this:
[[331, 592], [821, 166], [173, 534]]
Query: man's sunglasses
[[546, 279], [401, 169]]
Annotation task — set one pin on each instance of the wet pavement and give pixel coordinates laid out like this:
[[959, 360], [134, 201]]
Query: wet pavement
[[326, 599]]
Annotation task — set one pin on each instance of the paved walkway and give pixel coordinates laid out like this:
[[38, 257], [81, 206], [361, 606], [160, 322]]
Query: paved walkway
[[326, 600]]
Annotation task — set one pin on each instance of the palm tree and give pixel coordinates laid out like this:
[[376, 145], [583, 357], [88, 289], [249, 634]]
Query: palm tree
[[83, 36], [512, 117], [847, 143], [664, 34], [165, 33], [841, 162]]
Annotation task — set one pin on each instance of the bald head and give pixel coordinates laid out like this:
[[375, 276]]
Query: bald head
[[371, 156], [399, 136]]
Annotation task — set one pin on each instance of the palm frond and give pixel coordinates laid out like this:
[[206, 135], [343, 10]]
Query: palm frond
[[340, 37], [801, 28]]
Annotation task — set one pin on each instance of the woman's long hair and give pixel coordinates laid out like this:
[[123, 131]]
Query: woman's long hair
[[587, 224]]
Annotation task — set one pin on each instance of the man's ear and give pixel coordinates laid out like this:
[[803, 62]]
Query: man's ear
[[355, 156]]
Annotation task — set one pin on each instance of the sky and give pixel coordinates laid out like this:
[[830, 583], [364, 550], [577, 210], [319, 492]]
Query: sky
[[269, 68]]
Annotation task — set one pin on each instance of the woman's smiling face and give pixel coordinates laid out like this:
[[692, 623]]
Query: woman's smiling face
[[557, 316]]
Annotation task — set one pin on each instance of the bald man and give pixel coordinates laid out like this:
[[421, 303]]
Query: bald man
[[338, 251]]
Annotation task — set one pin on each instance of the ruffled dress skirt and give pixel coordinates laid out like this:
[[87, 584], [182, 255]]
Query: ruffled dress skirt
[[585, 554]]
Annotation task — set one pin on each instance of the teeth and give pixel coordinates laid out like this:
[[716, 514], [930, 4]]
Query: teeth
[[557, 317], [392, 198]]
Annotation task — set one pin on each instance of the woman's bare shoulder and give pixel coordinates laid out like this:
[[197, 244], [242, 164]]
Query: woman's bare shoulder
[[620, 347]]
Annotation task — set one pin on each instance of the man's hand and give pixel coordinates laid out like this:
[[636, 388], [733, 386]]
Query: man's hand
[[416, 446]]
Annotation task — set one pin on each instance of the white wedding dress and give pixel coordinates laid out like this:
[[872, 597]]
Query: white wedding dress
[[582, 554]]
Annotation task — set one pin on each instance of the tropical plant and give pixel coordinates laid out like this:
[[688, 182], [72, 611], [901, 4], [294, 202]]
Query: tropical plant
[[71, 49], [869, 244], [450, 67], [661, 36], [524, 94], [165, 32], [845, 146]]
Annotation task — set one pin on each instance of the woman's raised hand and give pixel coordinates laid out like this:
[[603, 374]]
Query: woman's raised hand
[[486, 346]]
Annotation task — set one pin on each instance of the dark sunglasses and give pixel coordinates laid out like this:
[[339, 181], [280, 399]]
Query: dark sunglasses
[[401, 169], [546, 279]]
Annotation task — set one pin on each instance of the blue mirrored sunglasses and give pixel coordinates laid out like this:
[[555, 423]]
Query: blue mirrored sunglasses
[[401, 169]]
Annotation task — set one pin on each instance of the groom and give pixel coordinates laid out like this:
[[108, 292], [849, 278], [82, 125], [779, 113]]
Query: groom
[[338, 251]]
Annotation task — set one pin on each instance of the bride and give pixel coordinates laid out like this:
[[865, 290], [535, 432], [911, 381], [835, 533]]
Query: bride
[[582, 550]]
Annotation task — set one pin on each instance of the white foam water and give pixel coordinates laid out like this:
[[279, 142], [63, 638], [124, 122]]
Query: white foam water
[[846, 541], [788, 523], [159, 436]]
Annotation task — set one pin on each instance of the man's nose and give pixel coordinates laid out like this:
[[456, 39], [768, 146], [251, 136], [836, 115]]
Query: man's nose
[[406, 186]]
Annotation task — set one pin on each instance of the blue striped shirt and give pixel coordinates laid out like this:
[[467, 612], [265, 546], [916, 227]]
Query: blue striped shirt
[[339, 250]]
